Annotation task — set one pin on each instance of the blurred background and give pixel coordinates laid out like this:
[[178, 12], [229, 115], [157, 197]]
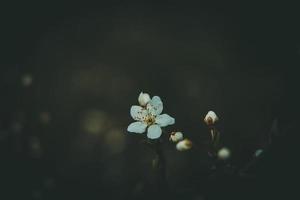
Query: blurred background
[[70, 73]]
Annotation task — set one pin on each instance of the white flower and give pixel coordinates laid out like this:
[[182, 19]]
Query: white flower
[[149, 117], [176, 136], [211, 118], [184, 145], [224, 153], [143, 99]]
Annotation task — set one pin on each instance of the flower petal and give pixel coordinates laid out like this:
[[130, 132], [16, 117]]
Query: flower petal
[[155, 106], [137, 127], [164, 120], [154, 132], [144, 98], [138, 113]]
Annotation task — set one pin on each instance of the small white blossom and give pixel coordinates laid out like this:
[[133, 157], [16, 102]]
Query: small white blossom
[[144, 98], [176, 136], [211, 118], [258, 152], [184, 145], [224, 153], [149, 117]]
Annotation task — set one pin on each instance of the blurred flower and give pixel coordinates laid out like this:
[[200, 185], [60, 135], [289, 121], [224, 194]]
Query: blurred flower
[[211, 118], [17, 127], [144, 98], [35, 147], [94, 122], [26, 80], [184, 145], [176, 136], [149, 117], [45, 117], [114, 141], [258, 152], [224, 153]]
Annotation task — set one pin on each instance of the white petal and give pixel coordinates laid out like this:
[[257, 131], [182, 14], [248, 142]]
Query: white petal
[[155, 106], [144, 98], [164, 120], [137, 127], [138, 113], [154, 132]]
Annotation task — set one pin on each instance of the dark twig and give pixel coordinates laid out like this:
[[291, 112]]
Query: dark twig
[[160, 166]]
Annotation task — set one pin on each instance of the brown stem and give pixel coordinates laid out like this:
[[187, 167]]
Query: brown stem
[[212, 134], [161, 168], [215, 137]]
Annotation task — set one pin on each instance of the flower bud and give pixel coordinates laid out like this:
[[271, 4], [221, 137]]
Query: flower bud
[[176, 136], [184, 145], [143, 99], [224, 153], [211, 118]]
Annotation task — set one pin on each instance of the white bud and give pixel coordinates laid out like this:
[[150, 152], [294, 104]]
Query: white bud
[[224, 153], [176, 136], [143, 99], [211, 118], [184, 145]]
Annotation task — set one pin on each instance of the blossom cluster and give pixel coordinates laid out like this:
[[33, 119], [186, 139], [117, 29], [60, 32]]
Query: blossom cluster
[[149, 119]]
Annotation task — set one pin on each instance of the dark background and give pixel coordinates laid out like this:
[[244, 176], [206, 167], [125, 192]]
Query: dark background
[[70, 72]]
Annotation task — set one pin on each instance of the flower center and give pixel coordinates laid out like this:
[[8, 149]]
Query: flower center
[[150, 119]]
